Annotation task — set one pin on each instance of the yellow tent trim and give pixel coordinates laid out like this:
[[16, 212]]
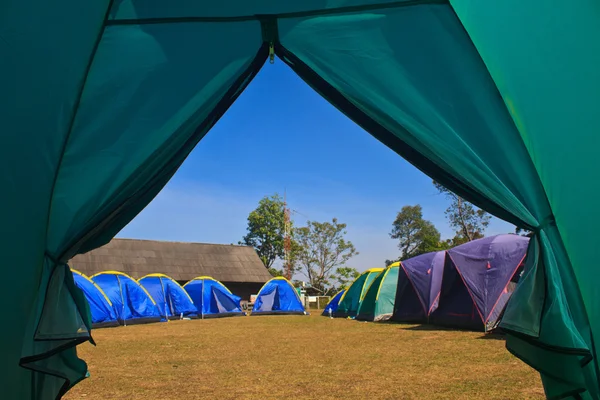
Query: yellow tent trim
[[209, 278], [93, 283], [363, 292], [357, 278], [282, 278], [158, 275], [394, 265], [125, 275]]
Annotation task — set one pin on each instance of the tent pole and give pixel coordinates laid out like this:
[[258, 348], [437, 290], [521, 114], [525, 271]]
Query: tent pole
[[162, 287], [122, 301]]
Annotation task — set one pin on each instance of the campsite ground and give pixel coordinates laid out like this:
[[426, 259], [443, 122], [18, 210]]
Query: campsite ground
[[275, 357]]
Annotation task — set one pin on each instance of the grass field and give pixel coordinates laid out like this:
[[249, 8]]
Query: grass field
[[277, 357]]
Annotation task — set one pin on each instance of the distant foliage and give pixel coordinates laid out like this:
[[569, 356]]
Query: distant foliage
[[415, 235], [468, 221], [266, 229], [344, 276], [275, 272], [322, 250], [523, 232], [390, 262]]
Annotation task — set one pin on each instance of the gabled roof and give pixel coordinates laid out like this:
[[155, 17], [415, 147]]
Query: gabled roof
[[181, 261]]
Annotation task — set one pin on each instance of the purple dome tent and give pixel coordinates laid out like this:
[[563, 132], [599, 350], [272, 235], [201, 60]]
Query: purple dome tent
[[419, 285], [476, 285]]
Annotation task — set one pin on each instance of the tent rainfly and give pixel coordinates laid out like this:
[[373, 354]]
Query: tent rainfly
[[212, 298], [350, 301], [475, 285], [378, 303], [131, 303], [171, 299], [277, 296], [419, 285], [495, 99], [332, 306], [101, 308]]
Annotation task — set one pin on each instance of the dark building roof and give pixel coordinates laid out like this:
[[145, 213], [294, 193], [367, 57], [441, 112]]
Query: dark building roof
[[181, 261]]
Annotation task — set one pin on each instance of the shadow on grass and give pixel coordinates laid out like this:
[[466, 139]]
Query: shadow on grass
[[426, 327], [493, 336], [432, 328]]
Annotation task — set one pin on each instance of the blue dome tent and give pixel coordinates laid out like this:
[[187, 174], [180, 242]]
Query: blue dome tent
[[171, 299], [212, 299], [131, 302], [332, 306], [101, 307], [277, 296]]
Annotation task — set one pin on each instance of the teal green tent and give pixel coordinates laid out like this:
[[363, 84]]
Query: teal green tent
[[378, 303], [102, 100], [352, 298]]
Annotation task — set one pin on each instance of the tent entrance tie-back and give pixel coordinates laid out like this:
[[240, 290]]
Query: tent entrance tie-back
[[546, 222]]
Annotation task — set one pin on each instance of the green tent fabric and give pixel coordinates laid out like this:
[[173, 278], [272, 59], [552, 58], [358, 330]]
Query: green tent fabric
[[350, 302], [378, 303], [495, 99]]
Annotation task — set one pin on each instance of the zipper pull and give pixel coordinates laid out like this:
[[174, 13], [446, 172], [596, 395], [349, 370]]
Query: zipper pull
[[272, 53]]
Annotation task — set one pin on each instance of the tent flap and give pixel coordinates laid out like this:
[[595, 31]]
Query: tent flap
[[62, 323], [413, 96], [542, 324]]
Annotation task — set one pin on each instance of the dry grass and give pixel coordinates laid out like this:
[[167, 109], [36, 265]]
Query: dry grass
[[275, 357]]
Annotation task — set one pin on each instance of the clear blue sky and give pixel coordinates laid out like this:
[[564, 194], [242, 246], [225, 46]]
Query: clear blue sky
[[281, 135]]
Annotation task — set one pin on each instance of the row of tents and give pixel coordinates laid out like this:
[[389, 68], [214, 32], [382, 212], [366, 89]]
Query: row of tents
[[467, 286], [116, 298]]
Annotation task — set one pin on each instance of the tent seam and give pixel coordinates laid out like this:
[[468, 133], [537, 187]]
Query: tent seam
[[258, 17]]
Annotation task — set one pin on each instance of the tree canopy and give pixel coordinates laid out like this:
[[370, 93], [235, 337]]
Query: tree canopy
[[390, 262], [468, 221], [344, 277], [321, 249], [415, 234], [266, 230]]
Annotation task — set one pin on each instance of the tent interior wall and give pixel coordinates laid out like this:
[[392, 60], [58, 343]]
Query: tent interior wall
[[497, 100]]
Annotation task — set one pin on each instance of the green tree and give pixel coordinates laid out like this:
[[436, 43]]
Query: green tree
[[322, 249], [468, 221], [275, 272], [523, 232], [266, 229], [390, 262], [415, 234], [344, 277]]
